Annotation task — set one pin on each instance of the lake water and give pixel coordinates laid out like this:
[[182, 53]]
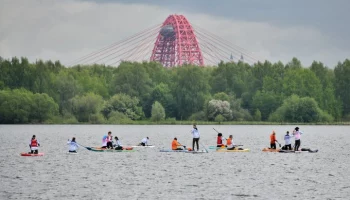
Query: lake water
[[150, 174]]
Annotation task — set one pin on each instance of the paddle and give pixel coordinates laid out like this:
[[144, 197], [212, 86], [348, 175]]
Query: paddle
[[88, 148], [204, 147], [278, 143]]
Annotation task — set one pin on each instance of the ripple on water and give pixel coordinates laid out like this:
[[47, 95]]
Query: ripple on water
[[149, 174]]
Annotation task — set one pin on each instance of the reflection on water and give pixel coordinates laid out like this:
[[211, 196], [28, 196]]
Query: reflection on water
[[150, 174]]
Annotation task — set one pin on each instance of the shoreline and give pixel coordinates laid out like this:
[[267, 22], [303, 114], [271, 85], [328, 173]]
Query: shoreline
[[145, 122]]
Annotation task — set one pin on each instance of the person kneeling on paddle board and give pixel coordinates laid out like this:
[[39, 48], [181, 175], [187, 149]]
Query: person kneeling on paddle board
[[117, 145], [144, 141], [196, 136], [175, 145], [219, 142], [73, 146], [273, 140], [34, 144], [288, 143]]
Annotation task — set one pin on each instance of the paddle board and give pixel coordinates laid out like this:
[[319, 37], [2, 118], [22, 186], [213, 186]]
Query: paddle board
[[31, 154]]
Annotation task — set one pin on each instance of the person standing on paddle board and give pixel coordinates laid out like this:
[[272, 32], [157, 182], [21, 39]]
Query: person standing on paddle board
[[175, 145], [273, 140], [196, 136], [219, 142], [297, 135], [34, 144], [144, 141], [287, 140], [118, 145], [109, 140], [73, 146]]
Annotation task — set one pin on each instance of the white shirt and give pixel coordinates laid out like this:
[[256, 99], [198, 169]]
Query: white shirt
[[195, 133], [287, 139], [118, 143], [73, 146], [231, 145], [104, 141], [145, 140], [297, 135]]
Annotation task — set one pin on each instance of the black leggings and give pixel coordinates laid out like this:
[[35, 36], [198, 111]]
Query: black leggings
[[297, 145], [118, 148], [273, 145], [195, 140], [288, 147], [34, 151], [109, 145]]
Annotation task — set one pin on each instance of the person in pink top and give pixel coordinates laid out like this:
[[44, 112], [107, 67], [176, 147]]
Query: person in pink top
[[297, 135], [109, 140]]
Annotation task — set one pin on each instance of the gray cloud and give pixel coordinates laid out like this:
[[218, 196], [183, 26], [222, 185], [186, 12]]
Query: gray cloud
[[70, 29]]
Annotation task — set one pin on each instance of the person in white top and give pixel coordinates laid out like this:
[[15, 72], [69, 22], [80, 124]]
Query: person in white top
[[73, 146], [297, 135], [196, 136], [144, 141], [288, 142], [118, 144]]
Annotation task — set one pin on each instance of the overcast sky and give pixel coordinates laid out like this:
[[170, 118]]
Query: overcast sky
[[272, 29]]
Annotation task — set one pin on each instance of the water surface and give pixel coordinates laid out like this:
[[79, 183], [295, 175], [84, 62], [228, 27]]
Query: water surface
[[150, 174]]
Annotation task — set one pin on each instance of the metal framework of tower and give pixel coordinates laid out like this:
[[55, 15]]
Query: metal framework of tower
[[176, 44]]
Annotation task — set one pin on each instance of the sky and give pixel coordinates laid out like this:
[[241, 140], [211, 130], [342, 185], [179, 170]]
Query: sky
[[275, 30]]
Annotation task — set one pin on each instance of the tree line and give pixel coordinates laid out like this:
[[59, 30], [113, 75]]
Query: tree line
[[48, 92]]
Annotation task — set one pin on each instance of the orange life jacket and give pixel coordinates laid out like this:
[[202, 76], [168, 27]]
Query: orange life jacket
[[272, 138], [34, 143], [229, 141], [174, 145]]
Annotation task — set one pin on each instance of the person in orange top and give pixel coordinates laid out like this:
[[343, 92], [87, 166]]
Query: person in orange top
[[175, 145], [273, 140], [229, 143]]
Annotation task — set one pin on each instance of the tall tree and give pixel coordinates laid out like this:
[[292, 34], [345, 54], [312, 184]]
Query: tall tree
[[190, 89], [158, 112], [342, 82]]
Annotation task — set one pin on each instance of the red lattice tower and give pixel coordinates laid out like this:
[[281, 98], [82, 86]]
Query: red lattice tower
[[177, 44]]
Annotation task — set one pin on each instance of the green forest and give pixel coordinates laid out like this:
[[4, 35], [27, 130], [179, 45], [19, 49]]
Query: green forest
[[132, 93]]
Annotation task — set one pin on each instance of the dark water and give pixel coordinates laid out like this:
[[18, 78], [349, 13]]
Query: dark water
[[150, 174]]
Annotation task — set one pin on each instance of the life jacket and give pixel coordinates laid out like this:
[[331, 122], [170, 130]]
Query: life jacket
[[34, 143], [174, 145], [229, 141], [272, 139], [219, 141]]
